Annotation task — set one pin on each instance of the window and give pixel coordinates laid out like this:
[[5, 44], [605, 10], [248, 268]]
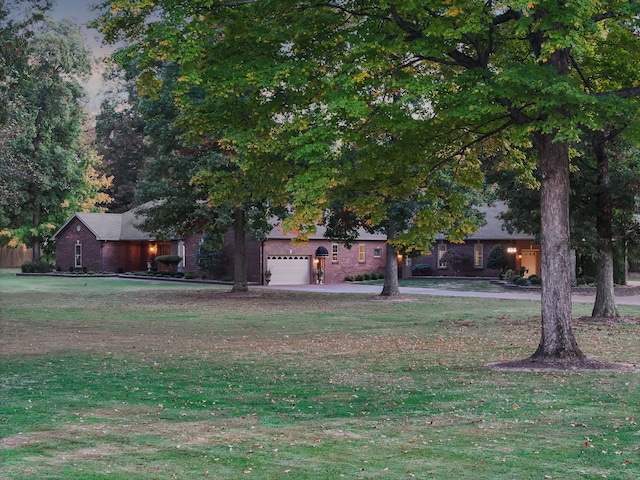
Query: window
[[377, 252], [182, 252], [478, 257], [78, 256], [442, 251], [362, 256], [334, 253]]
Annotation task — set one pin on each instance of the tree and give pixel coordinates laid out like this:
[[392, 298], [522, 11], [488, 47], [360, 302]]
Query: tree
[[465, 71], [600, 209], [497, 258], [175, 183], [49, 168], [518, 68], [123, 144]]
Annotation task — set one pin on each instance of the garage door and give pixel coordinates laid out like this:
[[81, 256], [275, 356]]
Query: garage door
[[289, 269]]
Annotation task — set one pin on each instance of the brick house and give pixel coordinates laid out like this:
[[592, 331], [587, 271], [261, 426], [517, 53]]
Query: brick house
[[112, 242], [105, 242], [521, 249]]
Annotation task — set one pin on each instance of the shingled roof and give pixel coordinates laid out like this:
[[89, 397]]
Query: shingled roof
[[122, 226], [109, 226]]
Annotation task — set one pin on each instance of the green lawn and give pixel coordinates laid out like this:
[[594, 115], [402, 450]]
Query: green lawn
[[124, 379], [457, 284]]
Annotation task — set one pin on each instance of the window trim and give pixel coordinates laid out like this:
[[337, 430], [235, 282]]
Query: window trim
[[77, 255], [182, 252], [362, 253], [478, 247], [442, 251], [334, 253]]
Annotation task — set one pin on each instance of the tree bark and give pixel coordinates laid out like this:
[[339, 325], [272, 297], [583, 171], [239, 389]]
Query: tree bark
[[605, 304], [557, 339], [240, 283], [391, 287]]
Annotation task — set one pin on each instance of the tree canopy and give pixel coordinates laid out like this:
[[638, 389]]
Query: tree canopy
[[48, 170], [290, 86]]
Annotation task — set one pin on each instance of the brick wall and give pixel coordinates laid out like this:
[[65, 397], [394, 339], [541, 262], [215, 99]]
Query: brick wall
[[348, 259], [76, 233], [467, 249], [97, 255]]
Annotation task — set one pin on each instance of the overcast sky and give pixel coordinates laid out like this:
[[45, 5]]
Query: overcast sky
[[79, 12]]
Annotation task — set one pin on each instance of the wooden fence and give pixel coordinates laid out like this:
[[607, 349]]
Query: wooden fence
[[14, 257]]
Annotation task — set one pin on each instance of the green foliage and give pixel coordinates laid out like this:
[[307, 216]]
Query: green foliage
[[421, 268], [497, 258], [417, 89], [45, 166], [36, 267], [211, 259], [535, 280], [124, 145], [169, 259], [457, 259]]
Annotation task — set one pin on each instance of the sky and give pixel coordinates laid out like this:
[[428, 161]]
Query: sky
[[79, 12]]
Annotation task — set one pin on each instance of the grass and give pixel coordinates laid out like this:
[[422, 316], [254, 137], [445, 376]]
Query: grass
[[123, 379], [456, 284]]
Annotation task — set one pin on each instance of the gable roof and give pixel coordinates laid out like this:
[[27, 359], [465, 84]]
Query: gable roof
[[109, 226], [278, 233], [122, 226], [494, 226]]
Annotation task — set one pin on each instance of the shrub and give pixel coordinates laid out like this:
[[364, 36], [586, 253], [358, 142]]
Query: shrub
[[170, 261], [535, 280], [359, 278], [36, 267], [523, 282], [211, 259], [421, 269], [366, 276], [586, 280], [458, 259], [349, 278], [497, 258], [189, 275]]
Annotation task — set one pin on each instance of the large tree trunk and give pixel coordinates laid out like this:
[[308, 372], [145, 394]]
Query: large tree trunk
[[240, 253], [557, 339], [605, 304], [390, 287]]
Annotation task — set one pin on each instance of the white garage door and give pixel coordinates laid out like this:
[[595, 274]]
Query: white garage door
[[289, 269]]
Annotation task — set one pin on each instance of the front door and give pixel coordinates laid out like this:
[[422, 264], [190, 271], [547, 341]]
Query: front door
[[529, 261]]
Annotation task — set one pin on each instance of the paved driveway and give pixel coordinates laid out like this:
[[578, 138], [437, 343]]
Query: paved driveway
[[349, 287]]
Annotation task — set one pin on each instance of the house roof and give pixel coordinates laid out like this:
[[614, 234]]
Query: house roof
[[122, 226], [494, 229], [278, 233], [109, 226]]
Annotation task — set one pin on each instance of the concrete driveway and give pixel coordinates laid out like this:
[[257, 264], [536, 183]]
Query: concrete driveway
[[348, 287]]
